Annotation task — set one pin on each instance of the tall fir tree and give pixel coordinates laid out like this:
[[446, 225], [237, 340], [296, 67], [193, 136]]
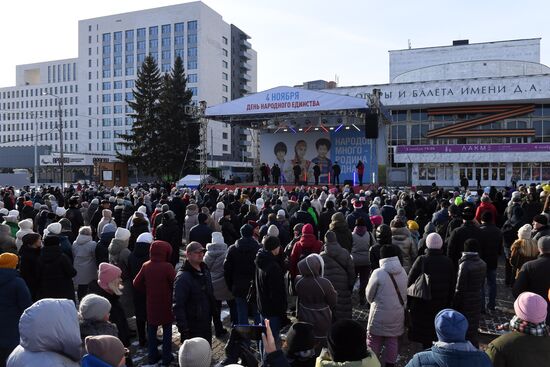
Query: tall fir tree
[[179, 128], [144, 141]]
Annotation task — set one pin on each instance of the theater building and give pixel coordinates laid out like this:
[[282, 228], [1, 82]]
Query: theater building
[[479, 110]]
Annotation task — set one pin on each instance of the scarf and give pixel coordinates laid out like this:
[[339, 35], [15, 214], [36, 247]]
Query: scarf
[[526, 327]]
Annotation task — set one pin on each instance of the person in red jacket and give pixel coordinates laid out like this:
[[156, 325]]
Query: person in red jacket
[[156, 279], [308, 244], [486, 205]]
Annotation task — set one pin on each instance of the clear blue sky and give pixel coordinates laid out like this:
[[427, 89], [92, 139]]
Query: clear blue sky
[[296, 40]]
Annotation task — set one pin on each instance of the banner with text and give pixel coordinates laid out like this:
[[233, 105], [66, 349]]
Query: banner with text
[[347, 147]]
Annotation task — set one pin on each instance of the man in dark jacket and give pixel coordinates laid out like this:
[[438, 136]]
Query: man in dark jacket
[[388, 212], [357, 213], [270, 285], [467, 299], [458, 236], [490, 250], [172, 232], [238, 270], [193, 296], [201, 233], [540, 226], [96, 218], [302, 216], [74, 215], [336, 170], [534, 275], [325, 218]]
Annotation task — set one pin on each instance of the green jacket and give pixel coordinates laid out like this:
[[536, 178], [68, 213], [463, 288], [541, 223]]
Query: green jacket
[[325, 360], [14, 227], [519, 350]]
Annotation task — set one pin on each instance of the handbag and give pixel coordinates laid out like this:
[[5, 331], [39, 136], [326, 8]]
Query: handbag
[[405, 309], [421, 287]]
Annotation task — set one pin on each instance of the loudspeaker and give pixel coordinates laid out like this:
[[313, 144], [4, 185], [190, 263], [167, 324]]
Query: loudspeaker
[[371, 125]]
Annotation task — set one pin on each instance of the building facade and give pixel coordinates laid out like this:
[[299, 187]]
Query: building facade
[[480, 111], [94, 87]]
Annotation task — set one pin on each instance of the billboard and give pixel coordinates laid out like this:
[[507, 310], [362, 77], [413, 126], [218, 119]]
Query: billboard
[[346, 147]]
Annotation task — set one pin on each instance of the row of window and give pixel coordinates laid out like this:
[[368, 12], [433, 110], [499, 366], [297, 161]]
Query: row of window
[[192, 26], [26, 126], [31, 92], [62, 72], [9, 116], [166, 42]]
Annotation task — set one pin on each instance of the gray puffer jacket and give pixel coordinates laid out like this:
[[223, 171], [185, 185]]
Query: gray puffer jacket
[[84, 259], [191, 219], [339, 270], [50, 336], [402, 237], [214, 258], [362, 242]]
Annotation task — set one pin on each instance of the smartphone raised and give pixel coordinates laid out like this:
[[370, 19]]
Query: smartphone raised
[[250, 332]]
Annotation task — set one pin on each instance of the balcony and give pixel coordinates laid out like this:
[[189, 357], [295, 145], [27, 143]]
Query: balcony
[[245, 43]]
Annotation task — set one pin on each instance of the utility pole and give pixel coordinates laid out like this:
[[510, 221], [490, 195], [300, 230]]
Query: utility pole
[[35, 150], [61, 150]]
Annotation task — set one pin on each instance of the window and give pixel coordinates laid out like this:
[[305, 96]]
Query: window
[[106, 85], [117, 60], [154, 43], [153, 31], [193, 90], [225, 76], [224, 135], [106, 134], [165, 68], [165, 42], [224, 99], [117, 72], [117, 121], [224, 40], [129, 96], [224, 64], [224, 147], [166, 55], [117, 97], [129, 71], [192, 51], [165, 28], [129, 34], [154, 55], [178, 27], [129, 59], [106, 49], [178, 53], [118, 84], [178, 40], [192, 78], [106, 37], [140, 58], [398, 135], [106, 122], [418, 134], [192, 38], [106, 146], [129, 83], [141, 33], [106, 110], [129, 120], [106, 61], [117, 109], [106, 98], [141, 45], [117, 36], [192, 25], [224, 88], [191, 64], [129, 47]]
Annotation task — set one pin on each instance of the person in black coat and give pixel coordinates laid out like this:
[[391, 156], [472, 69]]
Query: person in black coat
[[75, 216], [96, 217], [28, 265], [170, 231], [534, 275], [193, 302], [388, 212], [471, 276], [270, 285], [383, 238], [490, 250], [102, 247], [201, 232], [458, 236], [139, 255], [239, 268], [442, 284], [55, 271], [325, 218], [139, 226], [302, 216], [228, 230]]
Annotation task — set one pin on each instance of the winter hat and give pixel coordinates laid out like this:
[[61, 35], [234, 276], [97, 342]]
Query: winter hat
[[524, 233], [220, 205], [357, 204], [531, 307], [273, 231], [65, 224], [60, 211], [298, 227], [338, 217], [374, 210], [145, 237], [30, 238], [54, 228], [94, 307], [51, 241], [347, 341], [107, 273], [541, 219], [330, 237], [108, 348], [383, 234], [14, 213], [471, 245], [429, 228], [434, 241], [4, 211], [281, 214], [451, 326], [412, 225], [270, 243], [95, 201], [544, 244], [107, 213], [397, 223], [122, 234], [85, 231], [388, 251], [195, 352], [246, 230], [217, 238], [109, 228], [142, 209], [8, 260], [25, 224], [194, 246], [300, 338], [260, 203]]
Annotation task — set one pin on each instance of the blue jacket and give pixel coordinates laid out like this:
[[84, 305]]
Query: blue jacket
[[90, 360], [443, 357], [14, 299]]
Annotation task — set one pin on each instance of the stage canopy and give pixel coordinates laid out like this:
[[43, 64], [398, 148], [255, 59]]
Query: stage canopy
[[285, 102]]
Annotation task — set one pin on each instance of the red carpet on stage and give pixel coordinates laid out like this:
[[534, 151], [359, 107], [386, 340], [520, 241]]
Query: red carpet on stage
[[356, 188]]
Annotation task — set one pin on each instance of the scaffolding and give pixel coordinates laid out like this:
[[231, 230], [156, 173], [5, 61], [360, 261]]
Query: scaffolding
[[203, 133]]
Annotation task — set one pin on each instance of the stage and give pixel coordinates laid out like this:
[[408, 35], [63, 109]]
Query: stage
[[288, 188]]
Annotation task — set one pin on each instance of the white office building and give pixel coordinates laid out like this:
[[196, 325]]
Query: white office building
[[93, 88]]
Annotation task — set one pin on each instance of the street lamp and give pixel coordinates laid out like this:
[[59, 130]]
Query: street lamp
[[61, 150]]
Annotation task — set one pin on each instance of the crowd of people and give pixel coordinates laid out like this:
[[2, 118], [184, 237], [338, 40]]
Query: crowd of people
[[75, 266]]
